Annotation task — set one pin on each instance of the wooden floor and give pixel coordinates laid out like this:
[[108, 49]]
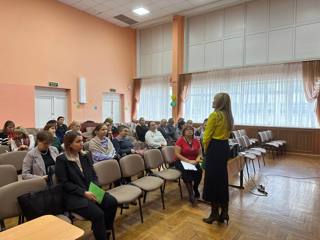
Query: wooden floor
[[290, 211]]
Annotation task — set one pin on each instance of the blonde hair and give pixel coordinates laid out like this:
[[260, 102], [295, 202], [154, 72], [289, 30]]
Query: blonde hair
[[21, 130], [223, 104], [73, 124]]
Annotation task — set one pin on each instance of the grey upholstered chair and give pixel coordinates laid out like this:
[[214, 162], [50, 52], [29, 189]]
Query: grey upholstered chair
[[8, 174], [108, 172], [132, 165], [153, 160]]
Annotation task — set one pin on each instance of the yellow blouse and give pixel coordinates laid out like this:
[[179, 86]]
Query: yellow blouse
[[217, 128]]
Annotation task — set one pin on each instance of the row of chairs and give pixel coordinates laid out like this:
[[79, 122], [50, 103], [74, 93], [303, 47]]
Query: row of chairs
[[108, 172], [250, 152], [275, 147], [132, 165]]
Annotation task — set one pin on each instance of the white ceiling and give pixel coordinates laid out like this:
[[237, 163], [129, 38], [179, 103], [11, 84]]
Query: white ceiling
[[160, 10]]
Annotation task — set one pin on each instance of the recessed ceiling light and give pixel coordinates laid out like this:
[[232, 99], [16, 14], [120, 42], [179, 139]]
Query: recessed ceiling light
[[141, 11]]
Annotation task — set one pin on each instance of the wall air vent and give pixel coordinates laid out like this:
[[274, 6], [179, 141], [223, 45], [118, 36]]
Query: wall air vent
[[125, 19]]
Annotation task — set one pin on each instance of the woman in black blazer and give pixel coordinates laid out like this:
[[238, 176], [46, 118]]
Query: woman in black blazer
[[74, 170]]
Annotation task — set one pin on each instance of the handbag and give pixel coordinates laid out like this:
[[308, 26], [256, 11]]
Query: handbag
[[36, 204]]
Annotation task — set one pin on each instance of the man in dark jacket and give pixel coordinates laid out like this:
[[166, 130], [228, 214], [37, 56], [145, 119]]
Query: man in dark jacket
[[164, 131], [122, 143], [61, 128], [171, 130], [141, 130]]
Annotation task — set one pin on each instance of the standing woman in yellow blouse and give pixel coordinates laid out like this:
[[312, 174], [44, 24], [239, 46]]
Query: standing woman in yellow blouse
[[215, 142]]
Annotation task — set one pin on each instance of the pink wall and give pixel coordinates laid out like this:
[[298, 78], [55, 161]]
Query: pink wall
[[44, 40]]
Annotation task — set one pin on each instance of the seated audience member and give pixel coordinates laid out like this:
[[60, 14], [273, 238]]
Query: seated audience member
[[171, 130], [180, 120], [86, 129], [199, 132], [75, 172], [7, 133], [141, 130], [132, 126], [122, 143], [37, 161], [179, 128], [51, 128], [110, 135], [113, 129], [100, 145], [163, 129], [188, 150], [74, 126], [189, 123], [154, 138], [61, 128], [22, 140]]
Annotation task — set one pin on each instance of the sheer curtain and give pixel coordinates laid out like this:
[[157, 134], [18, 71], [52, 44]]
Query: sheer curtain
[[154, 101], [264, 95]]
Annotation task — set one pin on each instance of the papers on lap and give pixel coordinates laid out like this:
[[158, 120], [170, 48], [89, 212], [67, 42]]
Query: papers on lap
[[188, 166]]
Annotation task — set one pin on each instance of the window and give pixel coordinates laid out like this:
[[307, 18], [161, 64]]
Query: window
[[264, 96], [154, 101]]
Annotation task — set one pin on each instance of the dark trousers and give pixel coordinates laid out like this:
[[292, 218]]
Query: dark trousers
[[101, 215]]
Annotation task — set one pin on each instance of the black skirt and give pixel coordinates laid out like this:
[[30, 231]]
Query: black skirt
[[189, 175], [215, 187]]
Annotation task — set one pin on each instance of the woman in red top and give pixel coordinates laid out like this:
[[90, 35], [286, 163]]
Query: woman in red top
[[188, 150]]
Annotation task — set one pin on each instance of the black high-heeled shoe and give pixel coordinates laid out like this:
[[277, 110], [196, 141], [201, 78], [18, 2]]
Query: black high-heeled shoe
[[224, 216], [214, 215], [212, 218]]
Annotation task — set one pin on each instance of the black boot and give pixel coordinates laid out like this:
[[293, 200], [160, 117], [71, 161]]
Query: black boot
[[224, 216], [192, 198], [214, 215]]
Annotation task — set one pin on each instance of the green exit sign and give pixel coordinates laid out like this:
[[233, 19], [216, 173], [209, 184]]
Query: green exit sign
[[53, 84]]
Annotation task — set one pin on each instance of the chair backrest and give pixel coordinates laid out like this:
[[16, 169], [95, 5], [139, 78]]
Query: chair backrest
[[4, 149], [168, 154], [246, 141], [10, 192], [242, 132], [261, 136], [241, 142], [152, 158], [107, 171], [8, 174], [265, 135], [236, 134], [13, 158], [269, 134], [131, 165]]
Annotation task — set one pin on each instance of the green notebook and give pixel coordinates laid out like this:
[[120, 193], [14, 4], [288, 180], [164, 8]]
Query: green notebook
[[97, 191]]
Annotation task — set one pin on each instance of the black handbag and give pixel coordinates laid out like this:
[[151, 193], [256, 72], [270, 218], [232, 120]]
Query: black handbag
[[36, 204]]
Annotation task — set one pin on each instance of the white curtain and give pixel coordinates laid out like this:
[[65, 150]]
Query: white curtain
[[154, 101], [264, 95]]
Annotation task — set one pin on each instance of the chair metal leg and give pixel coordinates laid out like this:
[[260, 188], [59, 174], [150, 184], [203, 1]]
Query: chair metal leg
[[21, 219], [145, 197], [113, 235], [162, 198], [179, 183], [246, 163], [254, 168], [259, 161], [164, 185], [2, 226], [264, 163], [140, 209], [121, 209]]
